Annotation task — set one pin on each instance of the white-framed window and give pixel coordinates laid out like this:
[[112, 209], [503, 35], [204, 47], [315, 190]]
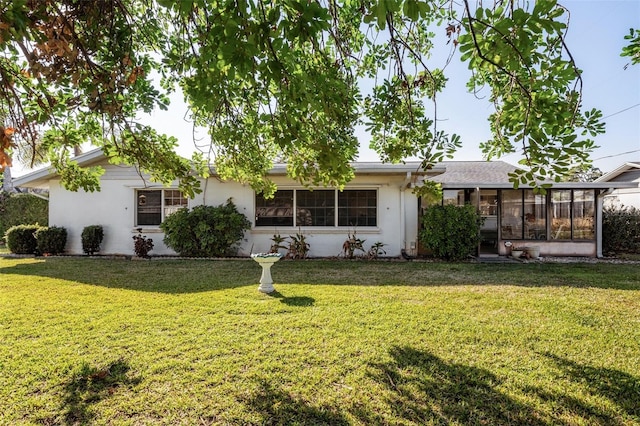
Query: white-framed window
[[320, 207], [154, 205]]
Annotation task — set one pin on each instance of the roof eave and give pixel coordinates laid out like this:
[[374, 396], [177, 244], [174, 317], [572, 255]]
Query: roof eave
[[618, 171]]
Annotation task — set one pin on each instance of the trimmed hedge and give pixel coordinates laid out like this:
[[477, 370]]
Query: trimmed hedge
[[451, 232], [21, 209], [21, 239], [92, 236], [51, 239], [620, 230]]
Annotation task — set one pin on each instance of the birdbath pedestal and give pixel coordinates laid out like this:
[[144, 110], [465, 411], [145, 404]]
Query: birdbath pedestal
[[266, 260]]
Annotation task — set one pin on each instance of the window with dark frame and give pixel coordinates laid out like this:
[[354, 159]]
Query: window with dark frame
[[315, 208], [568, 214], [276, 211], [321, 207], [357, 208], [153, 205]]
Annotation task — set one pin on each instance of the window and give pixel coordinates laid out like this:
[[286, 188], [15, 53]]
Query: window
[[453, 196], [153, 205], [511, 214], [583, 215], [357, 208], [277, 211], [315, 208], [535, 215], [318, 208], [561, 214], [488, 202]]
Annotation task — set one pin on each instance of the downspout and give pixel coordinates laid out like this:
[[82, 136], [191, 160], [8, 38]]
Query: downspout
[[478, 212], [403, 227], [600, 204]]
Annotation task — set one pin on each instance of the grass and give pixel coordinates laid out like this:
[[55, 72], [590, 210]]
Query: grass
[[93, 341]]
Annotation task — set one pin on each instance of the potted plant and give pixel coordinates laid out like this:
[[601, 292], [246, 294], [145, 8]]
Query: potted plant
[[517, 252]]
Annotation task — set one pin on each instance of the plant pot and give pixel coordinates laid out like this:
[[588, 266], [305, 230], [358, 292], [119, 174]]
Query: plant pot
[[517, 254], [534, 252]]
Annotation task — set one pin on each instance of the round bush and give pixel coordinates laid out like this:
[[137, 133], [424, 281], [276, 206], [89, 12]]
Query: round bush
[[205, 231], [51, 240], [21, 239]]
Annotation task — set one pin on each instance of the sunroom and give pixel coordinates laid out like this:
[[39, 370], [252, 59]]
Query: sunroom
[[564, 221]]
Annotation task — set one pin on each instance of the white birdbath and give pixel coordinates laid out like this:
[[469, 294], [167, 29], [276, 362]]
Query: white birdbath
[[266, 260]]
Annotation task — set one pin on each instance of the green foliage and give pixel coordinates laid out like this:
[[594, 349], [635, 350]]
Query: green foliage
[[340, 343], [205, 231], [142, 245], [520, 54], [376, 250], [620, 230], [584, 174], [451, 232], [287, 81], [21, 239], [19, 209], [633, 48], [351, 244], [298, 246], [277, 243], [51, 239], [92, 236]]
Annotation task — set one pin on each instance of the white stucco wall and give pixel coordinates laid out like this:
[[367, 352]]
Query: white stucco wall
[[627, 197], [114, 208]]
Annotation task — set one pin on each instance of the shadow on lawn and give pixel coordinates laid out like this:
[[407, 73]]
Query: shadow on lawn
[[91, 385], [278, 407], [161, 276], [426, 389], [293, 300], [621, 388], [193, 276]]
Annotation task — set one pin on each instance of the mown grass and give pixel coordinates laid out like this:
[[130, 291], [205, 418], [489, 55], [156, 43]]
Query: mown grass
[[93, 341]]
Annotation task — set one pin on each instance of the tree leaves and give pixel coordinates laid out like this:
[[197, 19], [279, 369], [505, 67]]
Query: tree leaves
[[286, 81]]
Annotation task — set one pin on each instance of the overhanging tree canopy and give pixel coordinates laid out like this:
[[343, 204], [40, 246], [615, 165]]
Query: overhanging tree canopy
[[283, 80]]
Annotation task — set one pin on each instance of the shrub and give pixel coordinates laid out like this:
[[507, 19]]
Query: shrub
[[21, 209], [451, 232], [142, 245], [21, 239], [351, 244], [205, 231], [298, 246], [51, 240], [92, 238], [620, 230]]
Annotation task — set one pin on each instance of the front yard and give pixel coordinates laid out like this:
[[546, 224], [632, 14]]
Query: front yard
[[94, 341]]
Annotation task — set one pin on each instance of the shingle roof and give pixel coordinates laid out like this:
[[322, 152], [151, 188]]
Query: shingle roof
[[467, 172]]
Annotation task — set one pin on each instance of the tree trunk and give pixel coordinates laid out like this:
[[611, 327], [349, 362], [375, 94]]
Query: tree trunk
[[7, 184]]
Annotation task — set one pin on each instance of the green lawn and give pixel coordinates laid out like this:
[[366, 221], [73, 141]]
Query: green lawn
[[93, 341]]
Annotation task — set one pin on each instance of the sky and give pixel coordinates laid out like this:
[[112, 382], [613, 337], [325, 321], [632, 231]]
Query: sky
[[595, 39]]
